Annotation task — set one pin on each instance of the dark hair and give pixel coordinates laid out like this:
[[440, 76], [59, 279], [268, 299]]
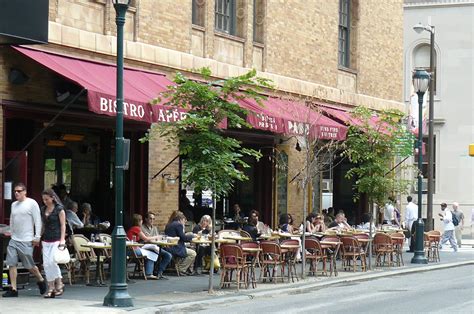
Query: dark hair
[[409, 198], [252, 221], [148, 214], [283, 219], [444, 205], [253, 211], [20, 185], [53, 195], [310, 217], [290, 219], [365, 218]]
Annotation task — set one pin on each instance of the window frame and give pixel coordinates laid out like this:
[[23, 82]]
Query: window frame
[[225, 16], [344, 33]]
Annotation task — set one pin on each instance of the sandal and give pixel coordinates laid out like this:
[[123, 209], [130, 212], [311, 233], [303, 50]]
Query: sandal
[[60, 291], [50, 295]]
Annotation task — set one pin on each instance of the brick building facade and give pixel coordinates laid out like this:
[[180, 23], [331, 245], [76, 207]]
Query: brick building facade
[[296, 45]]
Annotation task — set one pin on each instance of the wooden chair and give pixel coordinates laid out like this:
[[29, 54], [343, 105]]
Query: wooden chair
[[138, 260], [314, 253], [384, 248], [398, 246], [431, 245], [351, 252], [107, 239], [252, 259], [332, 253], [271, 258], [245, 234], [85, 256], [290, 258], [233, 260]]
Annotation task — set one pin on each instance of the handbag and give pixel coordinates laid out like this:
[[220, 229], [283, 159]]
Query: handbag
[[61, 256]]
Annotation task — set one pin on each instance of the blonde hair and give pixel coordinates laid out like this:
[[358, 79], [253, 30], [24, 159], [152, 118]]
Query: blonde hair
[[208, 219]]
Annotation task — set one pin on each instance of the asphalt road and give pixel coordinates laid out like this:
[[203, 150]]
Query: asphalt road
[[442, 291]]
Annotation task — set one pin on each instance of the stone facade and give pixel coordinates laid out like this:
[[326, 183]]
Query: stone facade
[[299, 53]]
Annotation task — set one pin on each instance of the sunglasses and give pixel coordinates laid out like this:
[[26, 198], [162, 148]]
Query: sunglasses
[[18, 191]]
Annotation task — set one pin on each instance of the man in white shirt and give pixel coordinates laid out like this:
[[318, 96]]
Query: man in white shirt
[[25, 226], [411, 215], [389, 216], [447, 219]]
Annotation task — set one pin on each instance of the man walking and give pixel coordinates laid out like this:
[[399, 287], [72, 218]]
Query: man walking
[[411, 215], [447, 219], [25, 226], [459, 228]]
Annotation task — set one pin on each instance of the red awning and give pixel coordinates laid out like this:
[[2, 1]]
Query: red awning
[[139, 86], [292, 118], [345, 117]]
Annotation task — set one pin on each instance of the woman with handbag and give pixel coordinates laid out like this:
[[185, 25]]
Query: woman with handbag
[[53, 239]]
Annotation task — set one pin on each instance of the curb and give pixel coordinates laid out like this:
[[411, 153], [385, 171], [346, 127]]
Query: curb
[[298, 289]]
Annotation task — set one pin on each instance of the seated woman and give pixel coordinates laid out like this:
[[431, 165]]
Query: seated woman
[[150, 251], [310, 220], [204, 227], [89, 218], [284, 224], [175, 228], [340, 223], [319, 225]]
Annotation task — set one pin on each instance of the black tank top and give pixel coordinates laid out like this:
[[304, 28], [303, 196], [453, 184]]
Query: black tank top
[[51, 224]]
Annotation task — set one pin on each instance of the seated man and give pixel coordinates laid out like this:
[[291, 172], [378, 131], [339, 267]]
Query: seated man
[[340, 223], [175, 228], [72, 218], [152, 231]]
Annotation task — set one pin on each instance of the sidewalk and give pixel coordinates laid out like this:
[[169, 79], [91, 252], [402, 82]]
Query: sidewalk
[[179, 292]]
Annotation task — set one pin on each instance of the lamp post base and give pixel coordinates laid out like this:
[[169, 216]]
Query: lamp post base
[[419, 257], [118, 296]]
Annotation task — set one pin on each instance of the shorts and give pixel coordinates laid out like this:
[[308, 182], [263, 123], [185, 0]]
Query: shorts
[[20, 251]]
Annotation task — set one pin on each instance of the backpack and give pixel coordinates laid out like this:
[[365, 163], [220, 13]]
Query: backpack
[[455, 219]]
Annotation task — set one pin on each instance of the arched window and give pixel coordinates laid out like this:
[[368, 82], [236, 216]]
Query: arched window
[[421, 59]]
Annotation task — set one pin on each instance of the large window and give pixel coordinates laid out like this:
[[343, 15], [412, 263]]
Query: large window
[[344, 33], [258, 20], [226, 16], [198, 12], [421, 60]]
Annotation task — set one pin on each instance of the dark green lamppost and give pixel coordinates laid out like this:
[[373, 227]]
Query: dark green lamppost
[[118, 294], [421, 79]]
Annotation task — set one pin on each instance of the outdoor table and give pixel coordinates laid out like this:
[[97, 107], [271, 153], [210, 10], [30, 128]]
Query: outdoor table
[[332, 254], [290, 251], [267, 237], [237, 238], [250, 252], [162, 243]]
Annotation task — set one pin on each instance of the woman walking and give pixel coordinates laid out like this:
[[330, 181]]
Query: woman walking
[[53, 238]]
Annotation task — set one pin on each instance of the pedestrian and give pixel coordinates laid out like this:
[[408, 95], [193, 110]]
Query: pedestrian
[[411, 215], [389, 212], [53, 239], [25, 226], [448, 234], [460, 227]]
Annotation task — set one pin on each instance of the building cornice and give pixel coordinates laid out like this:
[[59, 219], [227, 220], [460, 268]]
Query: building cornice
[[438, 3]]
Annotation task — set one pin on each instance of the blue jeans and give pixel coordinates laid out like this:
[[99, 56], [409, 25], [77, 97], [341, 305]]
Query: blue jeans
[[164, 260]]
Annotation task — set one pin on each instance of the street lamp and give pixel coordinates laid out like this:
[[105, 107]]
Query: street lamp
[[429, 200], [421, 79], [118, 294]]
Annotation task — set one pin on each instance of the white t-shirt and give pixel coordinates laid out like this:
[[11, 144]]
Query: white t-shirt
[[448, 220], [388, 212], [25, 220]]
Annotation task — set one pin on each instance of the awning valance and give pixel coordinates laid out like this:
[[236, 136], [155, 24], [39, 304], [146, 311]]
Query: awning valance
[[139, 86], [292, 117]]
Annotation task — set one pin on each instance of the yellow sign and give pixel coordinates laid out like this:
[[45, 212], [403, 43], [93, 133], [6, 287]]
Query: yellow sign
[[471, 150]]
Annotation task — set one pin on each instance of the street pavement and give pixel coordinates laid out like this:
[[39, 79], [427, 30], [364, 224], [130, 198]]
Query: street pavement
[[448, 290], [185, 293]]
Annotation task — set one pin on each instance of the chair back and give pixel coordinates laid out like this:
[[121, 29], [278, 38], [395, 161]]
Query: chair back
[[253, 245], [245, 234], [361, 236], [270, 251], [313, 246], [231, 255], [82, 253], [105, 238], [382, 241], [350, 245], [330, 239]]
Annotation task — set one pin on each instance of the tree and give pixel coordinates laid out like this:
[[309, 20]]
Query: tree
[[211, 160], [372, 145]]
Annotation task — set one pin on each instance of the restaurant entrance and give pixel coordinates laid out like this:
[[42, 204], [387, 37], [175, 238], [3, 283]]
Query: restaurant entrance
[[78, 151]]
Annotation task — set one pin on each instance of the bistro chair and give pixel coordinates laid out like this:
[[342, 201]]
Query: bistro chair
[[431, 245], [398, 239], [85, 256], [271, 258], [332, 253], [107, 239], [314, 253], [290, 257], [138, 260], [245, 234], [384, 248], [351, 253], [252, 259], [233, 260]]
